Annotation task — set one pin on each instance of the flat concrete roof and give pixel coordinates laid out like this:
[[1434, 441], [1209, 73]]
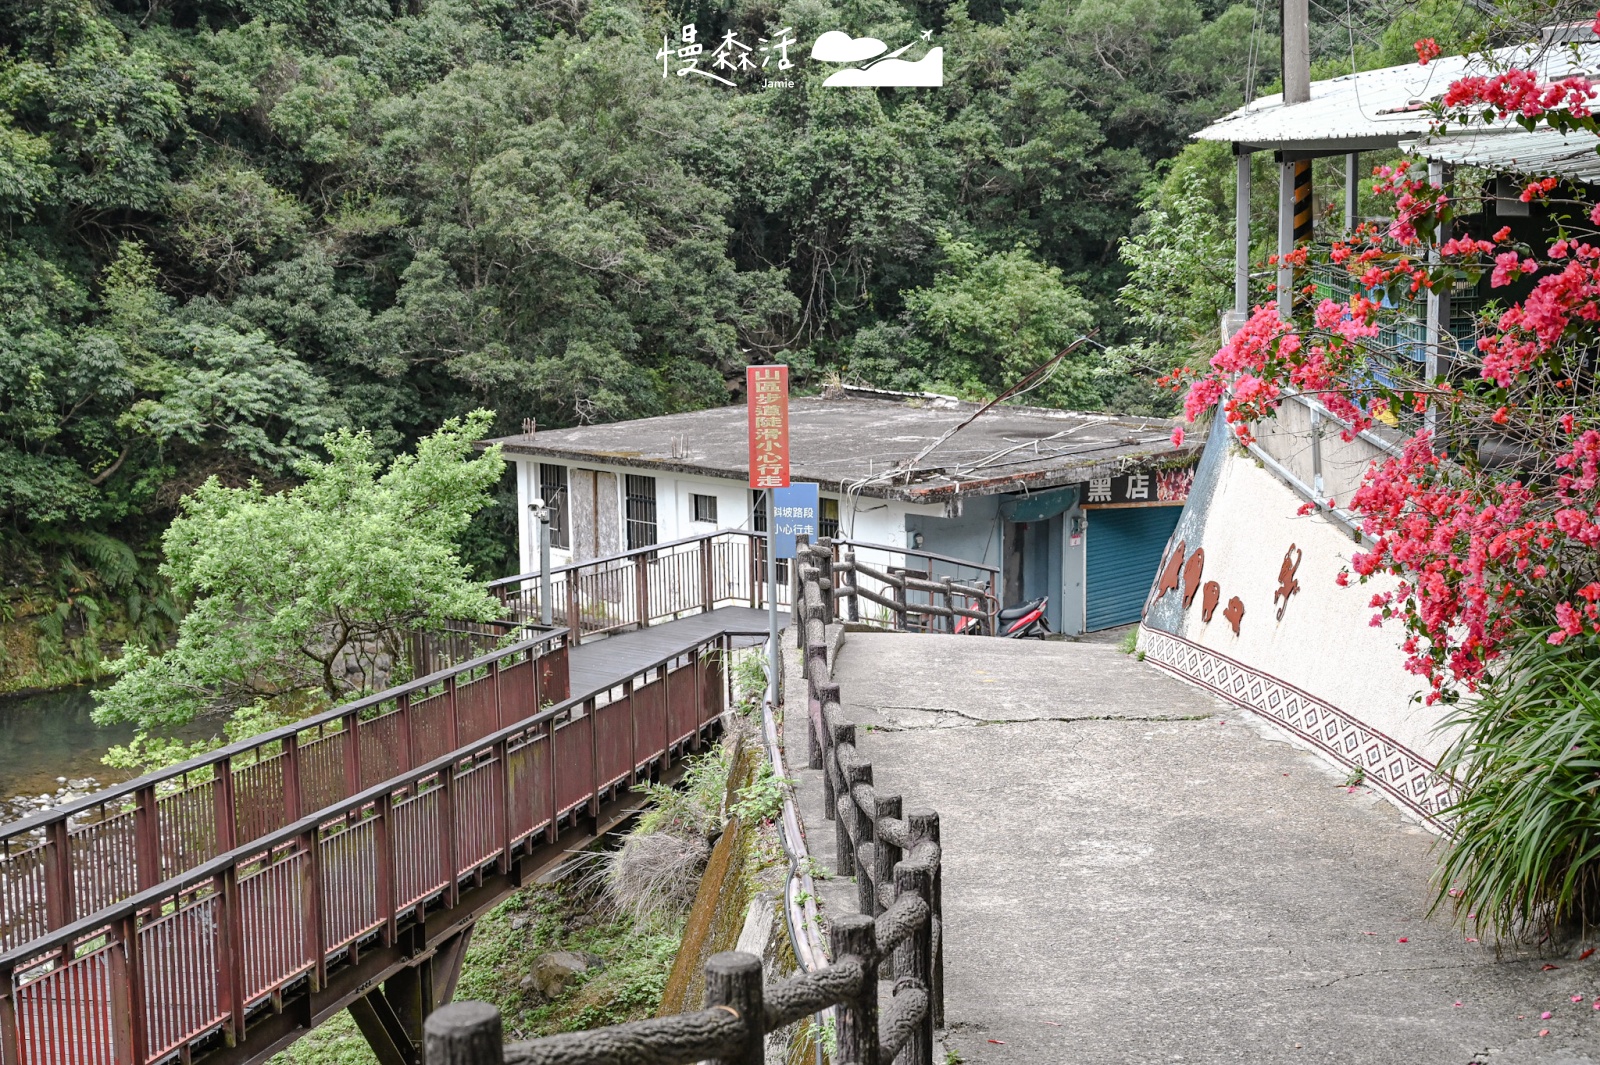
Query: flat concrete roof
[[855, 435]]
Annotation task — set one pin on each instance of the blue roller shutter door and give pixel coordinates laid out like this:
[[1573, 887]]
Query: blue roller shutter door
[[1124, 553]]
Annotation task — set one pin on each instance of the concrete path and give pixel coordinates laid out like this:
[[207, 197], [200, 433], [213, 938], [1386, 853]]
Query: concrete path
[[1135, 872]]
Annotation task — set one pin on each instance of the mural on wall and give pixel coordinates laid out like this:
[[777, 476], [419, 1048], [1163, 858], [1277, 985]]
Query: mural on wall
[[1168, 581], [1234, 613], [1287, 584], [1191, 575], [1184, 570]]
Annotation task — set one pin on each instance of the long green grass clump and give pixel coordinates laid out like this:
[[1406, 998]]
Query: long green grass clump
[[1524, 849]]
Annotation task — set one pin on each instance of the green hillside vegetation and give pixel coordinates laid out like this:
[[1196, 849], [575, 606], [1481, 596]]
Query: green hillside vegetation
[[231, 226]]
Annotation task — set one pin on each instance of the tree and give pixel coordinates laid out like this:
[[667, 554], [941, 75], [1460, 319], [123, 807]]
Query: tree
[[987, 320], [301, 597]]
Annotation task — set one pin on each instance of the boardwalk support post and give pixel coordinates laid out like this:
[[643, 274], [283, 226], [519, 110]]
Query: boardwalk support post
[[384, 1029], [464, 1033]]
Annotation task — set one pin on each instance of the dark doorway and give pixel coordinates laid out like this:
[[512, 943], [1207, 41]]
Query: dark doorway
[[1012, 564]]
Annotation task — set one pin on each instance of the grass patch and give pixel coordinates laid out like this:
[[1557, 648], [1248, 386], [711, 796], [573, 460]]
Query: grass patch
[[1524, 854], [499, 967]]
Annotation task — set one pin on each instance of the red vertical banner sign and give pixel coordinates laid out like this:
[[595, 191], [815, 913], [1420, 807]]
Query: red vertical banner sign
[[767, 391]]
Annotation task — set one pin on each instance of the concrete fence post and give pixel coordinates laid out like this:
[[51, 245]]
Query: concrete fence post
[[854, 936], [463, 1033], [924, 825], [733, 980], [912, 958]]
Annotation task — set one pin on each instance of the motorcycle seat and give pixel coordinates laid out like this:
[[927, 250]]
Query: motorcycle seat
[[1012, 613]]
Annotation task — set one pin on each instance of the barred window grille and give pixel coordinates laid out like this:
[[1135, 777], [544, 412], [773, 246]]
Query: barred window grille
[[705, 507], [553, 490], [639, 496], [828, 520]]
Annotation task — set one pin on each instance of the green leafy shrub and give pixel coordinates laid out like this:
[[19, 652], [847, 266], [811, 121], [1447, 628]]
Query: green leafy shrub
[[1524, 851]]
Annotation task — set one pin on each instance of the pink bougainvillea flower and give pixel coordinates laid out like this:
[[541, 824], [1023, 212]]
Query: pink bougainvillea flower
[[1427, 49], [1546, 1015]]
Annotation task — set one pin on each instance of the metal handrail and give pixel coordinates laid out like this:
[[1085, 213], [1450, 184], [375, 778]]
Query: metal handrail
[[128, 788], [917, 552], [628, 554], [84, 927]]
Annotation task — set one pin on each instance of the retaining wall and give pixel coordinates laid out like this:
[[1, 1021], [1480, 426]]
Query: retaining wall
[[1304, 657]]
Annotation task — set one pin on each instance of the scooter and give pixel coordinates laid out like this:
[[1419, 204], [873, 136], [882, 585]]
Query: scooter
[[1024, 622]]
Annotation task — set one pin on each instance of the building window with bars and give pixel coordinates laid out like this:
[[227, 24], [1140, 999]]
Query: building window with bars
[[705, 507], [553, 490], [828, 520], [639, 498]]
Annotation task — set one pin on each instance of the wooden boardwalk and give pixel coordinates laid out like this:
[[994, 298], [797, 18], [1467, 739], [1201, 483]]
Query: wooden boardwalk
[[596, 665], [431, 812]]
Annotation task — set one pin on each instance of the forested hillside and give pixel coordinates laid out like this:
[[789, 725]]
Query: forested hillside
[[230, 225]]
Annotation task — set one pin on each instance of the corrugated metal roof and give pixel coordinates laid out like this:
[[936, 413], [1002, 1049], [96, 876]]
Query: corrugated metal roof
[[1516, 151], [1377, 108]]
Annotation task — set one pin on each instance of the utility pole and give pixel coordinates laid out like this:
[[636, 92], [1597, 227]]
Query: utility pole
[[1296, 52], [1294, 176]]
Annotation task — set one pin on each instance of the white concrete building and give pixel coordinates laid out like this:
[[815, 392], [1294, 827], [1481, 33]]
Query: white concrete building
[[1070, 505]]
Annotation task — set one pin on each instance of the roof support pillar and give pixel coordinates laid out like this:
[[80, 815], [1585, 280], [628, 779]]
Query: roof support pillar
[[1437, 333], [1241, 231], [1352, 191], [1285, 239]]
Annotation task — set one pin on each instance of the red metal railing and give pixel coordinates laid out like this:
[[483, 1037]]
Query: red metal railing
[[79, 858], [648, 585], [161, 970]]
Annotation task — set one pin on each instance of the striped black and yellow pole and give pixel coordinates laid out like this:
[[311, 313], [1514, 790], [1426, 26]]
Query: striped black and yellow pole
[[1302, 215], [1302, 201]]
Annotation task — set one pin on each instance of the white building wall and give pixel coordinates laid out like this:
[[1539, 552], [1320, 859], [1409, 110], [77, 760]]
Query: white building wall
[[1321, 673], [863, 518]]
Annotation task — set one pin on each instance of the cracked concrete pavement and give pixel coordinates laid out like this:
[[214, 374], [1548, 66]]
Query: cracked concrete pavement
[[1137, 872]]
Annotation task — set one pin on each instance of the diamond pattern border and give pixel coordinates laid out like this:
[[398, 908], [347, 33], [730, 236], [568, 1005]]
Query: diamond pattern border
[[1404, 776]]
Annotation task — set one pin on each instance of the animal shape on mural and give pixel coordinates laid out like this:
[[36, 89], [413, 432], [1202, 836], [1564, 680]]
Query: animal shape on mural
[[1234, 613], [1287, 584], [1191, 575], [1170, 572], [1209, 601]]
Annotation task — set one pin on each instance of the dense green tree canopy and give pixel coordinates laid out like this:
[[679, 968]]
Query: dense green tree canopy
[[232, 225], [302, 596]]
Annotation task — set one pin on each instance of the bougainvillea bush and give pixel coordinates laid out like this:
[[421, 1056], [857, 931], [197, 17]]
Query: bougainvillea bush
[[1488, 521]]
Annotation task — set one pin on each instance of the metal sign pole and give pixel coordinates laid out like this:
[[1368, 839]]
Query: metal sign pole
[[772, 600], [546, 608]]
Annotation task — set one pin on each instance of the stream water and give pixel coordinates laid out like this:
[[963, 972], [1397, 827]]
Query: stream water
[[50, 750]]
